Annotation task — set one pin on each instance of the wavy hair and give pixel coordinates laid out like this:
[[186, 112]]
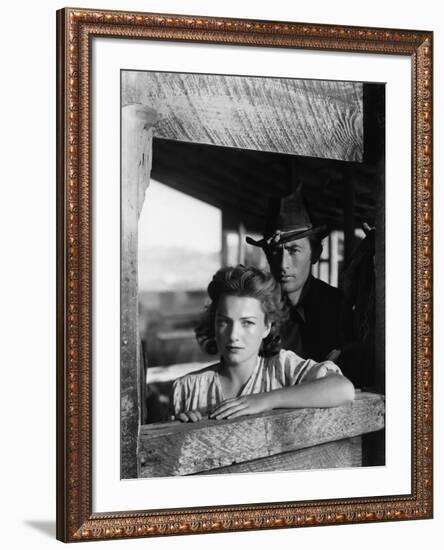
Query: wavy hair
[[244, 282]]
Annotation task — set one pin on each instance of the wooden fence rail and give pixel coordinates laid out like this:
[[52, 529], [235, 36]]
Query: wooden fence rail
[[284, 439]]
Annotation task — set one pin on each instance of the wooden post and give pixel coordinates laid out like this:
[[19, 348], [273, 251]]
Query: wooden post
[[137, 133], [349, 216], [230, 224], [374, 148]]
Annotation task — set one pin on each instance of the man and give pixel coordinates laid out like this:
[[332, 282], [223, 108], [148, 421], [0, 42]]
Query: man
[[317, 326]]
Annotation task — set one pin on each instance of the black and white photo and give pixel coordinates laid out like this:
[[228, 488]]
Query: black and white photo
[[252, 274]]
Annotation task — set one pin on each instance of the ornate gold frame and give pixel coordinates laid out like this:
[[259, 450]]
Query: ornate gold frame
[[75, 520]]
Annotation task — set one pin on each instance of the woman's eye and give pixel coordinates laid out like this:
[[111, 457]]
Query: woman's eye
[[248, 323]]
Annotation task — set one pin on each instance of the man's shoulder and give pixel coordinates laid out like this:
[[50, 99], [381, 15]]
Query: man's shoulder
[[320, 288]]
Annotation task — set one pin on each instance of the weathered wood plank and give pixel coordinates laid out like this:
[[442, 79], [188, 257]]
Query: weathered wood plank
[[137, 133], [346, 453], [178, 449], [312, 118]]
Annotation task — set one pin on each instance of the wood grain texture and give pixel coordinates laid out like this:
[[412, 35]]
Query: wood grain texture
[[311, 118], [137, 124], [346, 453], [179, 449]]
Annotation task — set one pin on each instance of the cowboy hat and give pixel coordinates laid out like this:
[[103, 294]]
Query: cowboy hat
[[288, 220]]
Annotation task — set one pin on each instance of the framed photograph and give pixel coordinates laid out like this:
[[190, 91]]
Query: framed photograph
[[244, 274]]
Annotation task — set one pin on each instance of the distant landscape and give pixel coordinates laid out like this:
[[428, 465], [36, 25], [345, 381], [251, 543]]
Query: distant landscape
[[176, 269]]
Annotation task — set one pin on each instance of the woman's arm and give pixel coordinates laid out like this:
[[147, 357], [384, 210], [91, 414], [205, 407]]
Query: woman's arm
[[330, 391]]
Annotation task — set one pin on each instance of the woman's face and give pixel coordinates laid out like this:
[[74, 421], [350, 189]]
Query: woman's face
[[239, 328]]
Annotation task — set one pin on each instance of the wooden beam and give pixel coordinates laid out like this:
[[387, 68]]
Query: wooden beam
[[180, 449], [313, 118], [346, 453]]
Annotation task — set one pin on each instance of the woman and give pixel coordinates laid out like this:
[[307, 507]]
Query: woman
[[253, 375]]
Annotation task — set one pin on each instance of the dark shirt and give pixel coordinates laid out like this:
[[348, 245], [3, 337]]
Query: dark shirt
[[316, 324]]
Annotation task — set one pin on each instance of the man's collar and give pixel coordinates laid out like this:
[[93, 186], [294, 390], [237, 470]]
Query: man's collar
[[306, 289], [299, 307]]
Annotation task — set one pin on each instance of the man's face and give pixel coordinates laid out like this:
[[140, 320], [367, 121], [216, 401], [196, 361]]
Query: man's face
[[290, 264]]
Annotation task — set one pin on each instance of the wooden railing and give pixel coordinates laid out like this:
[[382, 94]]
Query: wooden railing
[[285, 439]]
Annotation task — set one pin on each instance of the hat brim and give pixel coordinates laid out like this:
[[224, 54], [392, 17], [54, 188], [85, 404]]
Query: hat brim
[[287, 236]]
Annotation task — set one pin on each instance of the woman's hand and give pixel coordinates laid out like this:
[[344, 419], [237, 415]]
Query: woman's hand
[[242, 406], [189, 416]]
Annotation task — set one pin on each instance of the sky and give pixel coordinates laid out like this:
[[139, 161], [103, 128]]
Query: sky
[[172, 218]]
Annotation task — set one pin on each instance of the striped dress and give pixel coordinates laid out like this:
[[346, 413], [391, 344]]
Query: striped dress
[[202, 390]]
